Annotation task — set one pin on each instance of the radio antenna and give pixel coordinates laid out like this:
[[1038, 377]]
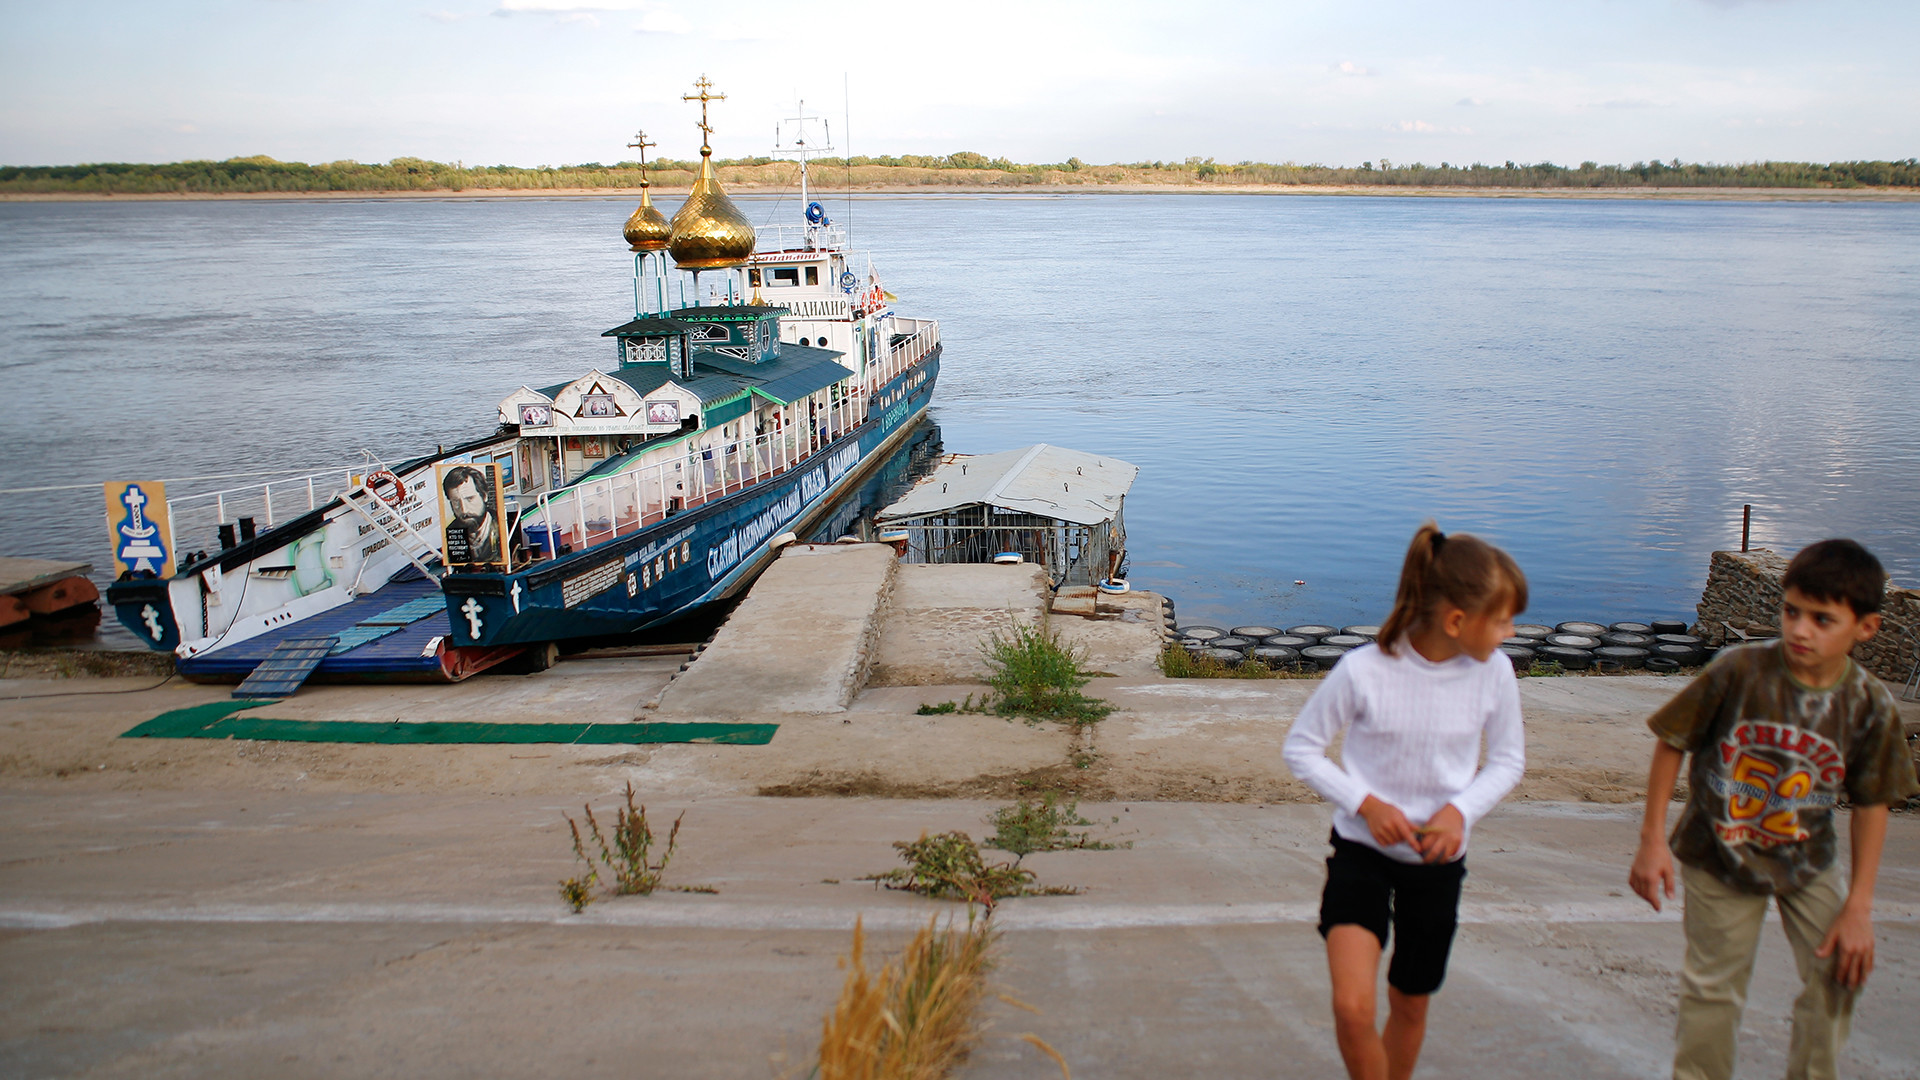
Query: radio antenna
[[847, 137]]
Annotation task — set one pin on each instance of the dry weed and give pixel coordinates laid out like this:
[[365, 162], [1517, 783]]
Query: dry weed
[[914, 1018]]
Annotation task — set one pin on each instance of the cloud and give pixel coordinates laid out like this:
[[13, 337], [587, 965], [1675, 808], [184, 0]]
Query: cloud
[[1348, 67], [448, 16], [571, 7], [1627, 103], [1421, 127], [655, 17], [186, 129], [1470, 102], [663, 21]]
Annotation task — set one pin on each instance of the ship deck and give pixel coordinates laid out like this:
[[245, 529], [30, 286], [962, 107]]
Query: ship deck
[[390, 634]]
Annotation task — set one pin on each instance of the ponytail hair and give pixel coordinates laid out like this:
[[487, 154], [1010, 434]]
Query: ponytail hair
[[1460, 570]]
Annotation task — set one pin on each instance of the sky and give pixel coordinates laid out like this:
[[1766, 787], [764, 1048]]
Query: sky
[[552, 82]]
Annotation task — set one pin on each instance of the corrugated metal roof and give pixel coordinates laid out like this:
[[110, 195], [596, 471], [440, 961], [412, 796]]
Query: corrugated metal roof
[[649, 325], [1048, 481], [646, 378], [794, 385]]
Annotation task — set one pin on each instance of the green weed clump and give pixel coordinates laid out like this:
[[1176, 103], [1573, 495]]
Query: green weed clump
[[1037, 676], [949, 867], [1543, 669], [626, 851], [1045, 823]]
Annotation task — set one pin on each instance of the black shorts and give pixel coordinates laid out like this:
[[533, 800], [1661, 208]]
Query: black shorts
[[1421, 901]]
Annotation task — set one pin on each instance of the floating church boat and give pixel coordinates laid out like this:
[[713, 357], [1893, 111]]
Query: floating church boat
[[763, 377]]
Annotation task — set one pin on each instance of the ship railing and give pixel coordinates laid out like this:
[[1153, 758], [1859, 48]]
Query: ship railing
[[196, 518], [594, 512], [800, 237], [899, 358]]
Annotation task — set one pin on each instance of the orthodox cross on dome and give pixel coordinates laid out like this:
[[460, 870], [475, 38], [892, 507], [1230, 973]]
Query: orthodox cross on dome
[[705, 95], [641, 143]]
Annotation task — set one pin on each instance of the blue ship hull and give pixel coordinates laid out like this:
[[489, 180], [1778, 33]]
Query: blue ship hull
[[702, 555]]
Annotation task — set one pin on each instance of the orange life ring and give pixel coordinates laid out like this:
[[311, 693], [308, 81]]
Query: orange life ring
[[379, 476]]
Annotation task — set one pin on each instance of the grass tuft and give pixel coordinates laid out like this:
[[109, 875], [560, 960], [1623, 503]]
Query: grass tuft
[[949, 866], [626, 851], [914, 1018], [1045, 823], [1037, 676]]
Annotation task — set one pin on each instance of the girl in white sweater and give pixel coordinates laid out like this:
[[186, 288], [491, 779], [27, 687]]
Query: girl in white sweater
[[1414, 708]]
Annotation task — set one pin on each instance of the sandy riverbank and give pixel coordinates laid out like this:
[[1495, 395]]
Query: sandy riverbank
[[1041, 191]]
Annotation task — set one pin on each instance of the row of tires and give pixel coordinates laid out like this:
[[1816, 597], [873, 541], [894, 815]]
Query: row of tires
[[1307, 646], [1661, 645]]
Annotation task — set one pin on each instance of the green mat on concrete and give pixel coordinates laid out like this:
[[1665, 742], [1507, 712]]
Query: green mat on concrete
[[221, 720]]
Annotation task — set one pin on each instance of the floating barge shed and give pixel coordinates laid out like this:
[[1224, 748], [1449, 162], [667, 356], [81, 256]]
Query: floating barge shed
[[1063, 509]]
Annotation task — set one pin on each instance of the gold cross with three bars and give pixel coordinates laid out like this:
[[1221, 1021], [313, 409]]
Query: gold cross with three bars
[[705, 95], [641, 143]]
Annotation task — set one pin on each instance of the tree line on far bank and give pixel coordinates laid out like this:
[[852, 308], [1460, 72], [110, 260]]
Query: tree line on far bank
[[256, 175]]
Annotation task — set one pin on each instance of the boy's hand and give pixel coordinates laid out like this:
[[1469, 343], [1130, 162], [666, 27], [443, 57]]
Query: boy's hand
[[1850, 943], [1440, 838], [1652, 871], [1387, 824]]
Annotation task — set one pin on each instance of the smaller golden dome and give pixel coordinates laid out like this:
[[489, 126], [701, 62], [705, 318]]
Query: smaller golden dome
[[708, 231], [647, 229]]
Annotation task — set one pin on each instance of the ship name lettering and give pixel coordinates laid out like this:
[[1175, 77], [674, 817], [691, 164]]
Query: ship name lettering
[[744, 539]]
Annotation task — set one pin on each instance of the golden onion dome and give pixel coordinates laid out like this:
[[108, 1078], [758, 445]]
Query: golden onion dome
[[708, 231], [647, 229]]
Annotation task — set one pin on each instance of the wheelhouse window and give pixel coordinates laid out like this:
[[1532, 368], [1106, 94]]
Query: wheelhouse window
[[784, 277], [813, 275]]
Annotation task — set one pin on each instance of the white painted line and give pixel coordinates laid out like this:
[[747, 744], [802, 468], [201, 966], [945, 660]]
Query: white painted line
[[698, 914]]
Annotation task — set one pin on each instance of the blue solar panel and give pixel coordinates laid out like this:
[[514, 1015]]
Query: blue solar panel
[[359, 634], [424, 607]]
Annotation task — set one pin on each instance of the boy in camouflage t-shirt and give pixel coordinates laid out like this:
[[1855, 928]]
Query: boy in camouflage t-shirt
[[1779, 732]]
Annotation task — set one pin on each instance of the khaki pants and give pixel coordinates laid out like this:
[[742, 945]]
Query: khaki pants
[[1723, 932]]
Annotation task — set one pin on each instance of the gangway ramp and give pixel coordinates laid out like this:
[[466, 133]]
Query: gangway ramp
[[285, 668]]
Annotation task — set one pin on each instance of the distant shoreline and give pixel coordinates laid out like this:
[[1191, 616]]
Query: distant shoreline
[[1694, 194]]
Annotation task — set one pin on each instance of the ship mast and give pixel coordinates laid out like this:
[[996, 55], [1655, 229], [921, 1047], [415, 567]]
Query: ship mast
[[790, 139]]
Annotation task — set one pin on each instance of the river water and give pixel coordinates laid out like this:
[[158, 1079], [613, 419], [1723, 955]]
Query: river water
[[1598, 386]]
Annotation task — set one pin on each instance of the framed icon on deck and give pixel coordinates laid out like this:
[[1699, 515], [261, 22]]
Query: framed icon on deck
[[663, 412], [536, 416], [472, 508]]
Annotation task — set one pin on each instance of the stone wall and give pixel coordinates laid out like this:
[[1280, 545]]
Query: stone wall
[[1743, 589]]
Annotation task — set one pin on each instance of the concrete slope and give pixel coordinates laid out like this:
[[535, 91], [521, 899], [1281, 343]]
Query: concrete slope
[[940, 616], [801, 642]]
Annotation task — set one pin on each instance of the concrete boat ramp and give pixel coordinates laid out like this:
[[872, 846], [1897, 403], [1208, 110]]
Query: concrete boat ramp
[[825, 622]]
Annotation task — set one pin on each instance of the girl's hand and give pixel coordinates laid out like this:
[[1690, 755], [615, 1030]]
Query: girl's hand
[[1387, 824], [1440, 838], [1652, 872]]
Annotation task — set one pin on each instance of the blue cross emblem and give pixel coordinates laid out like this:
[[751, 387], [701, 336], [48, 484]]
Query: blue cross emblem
[[140, 546]]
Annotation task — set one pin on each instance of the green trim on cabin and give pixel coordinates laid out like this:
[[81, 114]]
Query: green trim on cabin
[[729, 411]]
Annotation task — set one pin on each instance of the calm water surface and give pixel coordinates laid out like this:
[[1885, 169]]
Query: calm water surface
[[1597, 386]]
